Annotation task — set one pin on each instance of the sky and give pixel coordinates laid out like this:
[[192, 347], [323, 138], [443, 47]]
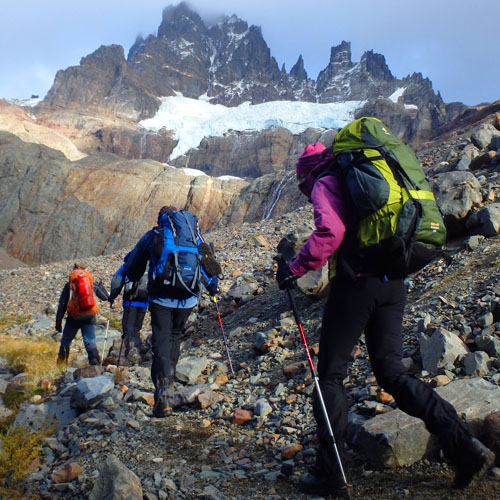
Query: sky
[[454, 43]]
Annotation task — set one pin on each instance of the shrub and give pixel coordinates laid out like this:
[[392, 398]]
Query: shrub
[[20, 455]]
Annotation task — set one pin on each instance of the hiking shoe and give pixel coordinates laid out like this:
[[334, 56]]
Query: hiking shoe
[[314, 484], [477, 459]]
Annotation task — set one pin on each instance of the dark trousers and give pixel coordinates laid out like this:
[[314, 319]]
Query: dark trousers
[[132, 320], [167, 326], [375, 306]]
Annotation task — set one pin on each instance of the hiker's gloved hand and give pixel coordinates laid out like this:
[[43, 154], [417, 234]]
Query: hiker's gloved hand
[[111, 302], [284, 276], [58, 327], [213, 288]]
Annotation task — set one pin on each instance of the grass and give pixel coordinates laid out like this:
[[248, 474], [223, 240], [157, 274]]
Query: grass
[[21, 449], [11, 319], [34, 357], [116, 322]]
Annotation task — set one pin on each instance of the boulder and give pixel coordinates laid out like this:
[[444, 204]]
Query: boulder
[[482, 137], [189, 369], [456, 193], [56, 412], [116, 482], [394, 439], [441, 350], [89, 391], [485, 221], [476, 363]]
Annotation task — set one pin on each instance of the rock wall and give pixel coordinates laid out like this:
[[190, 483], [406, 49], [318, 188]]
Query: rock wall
[[54, 209]]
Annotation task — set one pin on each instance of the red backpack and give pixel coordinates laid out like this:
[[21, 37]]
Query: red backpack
[[82, 300]]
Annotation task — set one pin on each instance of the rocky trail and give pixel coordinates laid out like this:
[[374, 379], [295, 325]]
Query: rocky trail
[[248, 436]]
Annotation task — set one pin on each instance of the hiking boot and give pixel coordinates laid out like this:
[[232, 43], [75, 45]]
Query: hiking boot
[[93, 355], [162, 407], [133, 356], [476, 461], [314, 484], [63, 355]]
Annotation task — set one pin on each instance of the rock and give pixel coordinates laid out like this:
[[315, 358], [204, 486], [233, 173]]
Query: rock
[[4, 411], [88, 371], [315, 283], [440, 350], [384, 397], [492, 431], [116, 482], [35, 417], [66, 473], [456, 193], [262, 408], [3, 385], [290, 451], [208, 398], [394, 439], [291, 370], [485, 221], [476, 363], [440, 381], [45, 383], [17, 383], [90, 390], [241, 416], [489, 344], [482, 137], [189, 369]]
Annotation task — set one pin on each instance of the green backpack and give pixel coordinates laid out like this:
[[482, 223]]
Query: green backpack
[[399, 228]]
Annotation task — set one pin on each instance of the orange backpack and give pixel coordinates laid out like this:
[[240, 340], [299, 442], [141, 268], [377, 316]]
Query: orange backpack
[[82, 302]]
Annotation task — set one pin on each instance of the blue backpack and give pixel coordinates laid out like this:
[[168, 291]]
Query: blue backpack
[[176, 262]]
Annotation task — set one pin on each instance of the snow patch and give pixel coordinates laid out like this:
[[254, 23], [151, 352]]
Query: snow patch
[[193, 172], [397, 94], [192, 119], [229, 178], [28, 103]]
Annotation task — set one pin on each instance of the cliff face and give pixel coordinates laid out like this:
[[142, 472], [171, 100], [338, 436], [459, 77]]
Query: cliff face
[[53, 209]]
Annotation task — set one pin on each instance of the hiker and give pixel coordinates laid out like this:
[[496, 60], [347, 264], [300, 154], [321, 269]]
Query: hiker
[[174, 252], [77, 298], [135, 304], [373, 303]]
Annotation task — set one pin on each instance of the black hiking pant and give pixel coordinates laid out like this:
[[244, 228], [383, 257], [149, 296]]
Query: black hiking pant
[[375, 306], [167, 326], [132, 320]]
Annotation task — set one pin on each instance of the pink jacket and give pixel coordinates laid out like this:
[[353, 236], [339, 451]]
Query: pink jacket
[[329, 218]]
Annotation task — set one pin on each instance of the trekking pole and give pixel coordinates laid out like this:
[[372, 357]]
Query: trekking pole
[[224, 336], [316, 382], [106, 336]]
